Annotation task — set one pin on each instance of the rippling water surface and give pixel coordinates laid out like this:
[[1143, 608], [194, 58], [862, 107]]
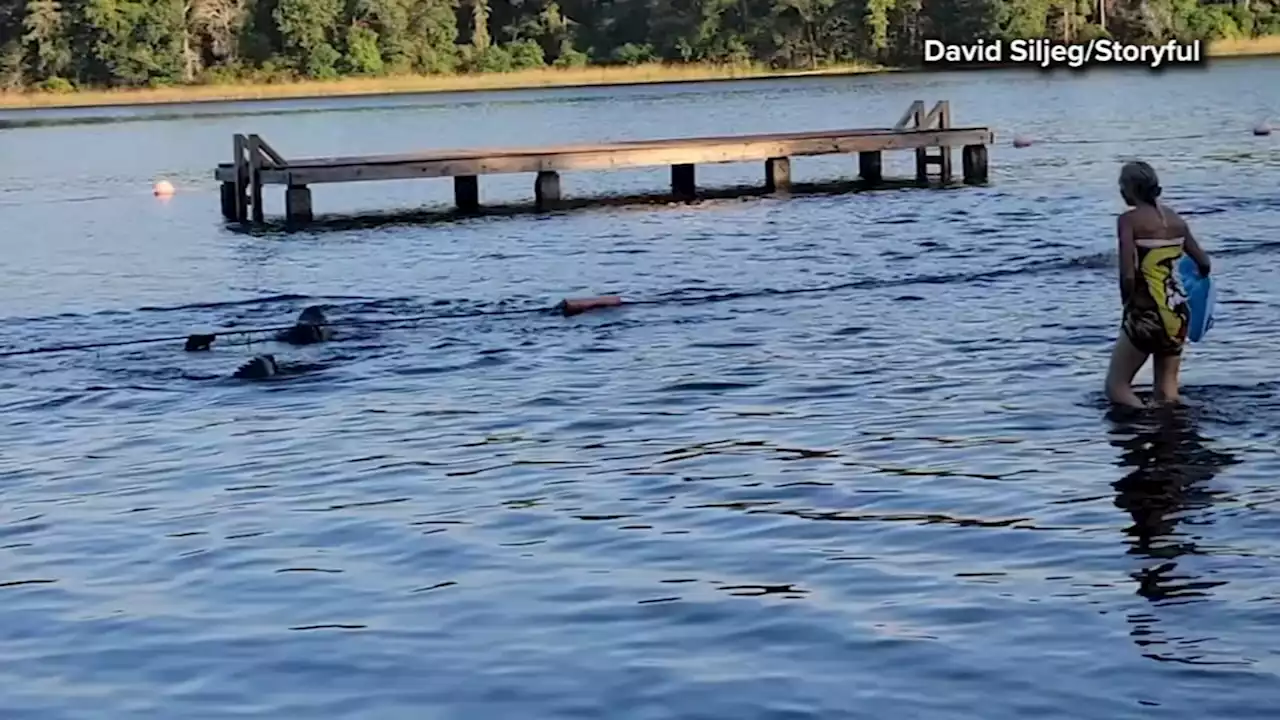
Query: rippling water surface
[[903, 497]]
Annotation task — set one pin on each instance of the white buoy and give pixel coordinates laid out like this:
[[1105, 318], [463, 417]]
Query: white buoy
[[164, 188], [1261, 129], [1021, 141]]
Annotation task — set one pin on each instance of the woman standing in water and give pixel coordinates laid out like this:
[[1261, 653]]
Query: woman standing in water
[[1152, 240]]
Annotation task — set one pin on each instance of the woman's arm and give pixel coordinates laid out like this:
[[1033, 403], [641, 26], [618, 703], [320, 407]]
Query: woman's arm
[[1128, 257], [1195, 251]]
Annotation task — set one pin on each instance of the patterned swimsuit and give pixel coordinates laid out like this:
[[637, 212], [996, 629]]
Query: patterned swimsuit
[[1157, 316]]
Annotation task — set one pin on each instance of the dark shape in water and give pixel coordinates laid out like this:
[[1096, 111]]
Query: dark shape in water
[[258, 368], [199, 343], [309, 329]]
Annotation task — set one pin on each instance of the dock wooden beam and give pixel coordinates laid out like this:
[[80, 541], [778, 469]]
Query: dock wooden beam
[[255, 163]]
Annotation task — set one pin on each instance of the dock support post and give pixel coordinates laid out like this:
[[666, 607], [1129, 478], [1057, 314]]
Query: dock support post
[[869, 168], [922, 166], [255, 178], [546, 189], [777, 174], [229, 200], [683, 183], [297, 204], [973, 162], [242, 179], [466, 193]]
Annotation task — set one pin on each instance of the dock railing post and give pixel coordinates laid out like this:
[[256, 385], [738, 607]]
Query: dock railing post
[[255, 177], [938, 118], [922, 154], [242, 178], [942, 113]]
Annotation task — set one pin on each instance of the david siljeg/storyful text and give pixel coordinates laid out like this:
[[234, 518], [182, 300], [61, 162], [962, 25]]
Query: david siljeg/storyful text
[[1048, 53]]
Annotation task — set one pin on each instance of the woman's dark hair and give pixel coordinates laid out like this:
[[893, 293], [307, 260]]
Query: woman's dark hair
[[1141, 181]]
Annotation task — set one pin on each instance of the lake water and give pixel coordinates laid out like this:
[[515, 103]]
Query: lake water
[[902, 497]]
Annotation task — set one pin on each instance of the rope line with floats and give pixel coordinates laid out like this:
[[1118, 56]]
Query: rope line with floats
[[567, 307], [197, 342]]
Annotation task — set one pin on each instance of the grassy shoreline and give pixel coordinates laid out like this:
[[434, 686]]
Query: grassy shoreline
[[520, 80], [410, 84]]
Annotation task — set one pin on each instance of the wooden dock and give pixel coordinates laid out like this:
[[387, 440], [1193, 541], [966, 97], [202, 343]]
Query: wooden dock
[[257, 164]]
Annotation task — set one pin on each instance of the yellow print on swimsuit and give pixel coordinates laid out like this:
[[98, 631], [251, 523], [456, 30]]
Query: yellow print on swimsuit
[[1166, 289]]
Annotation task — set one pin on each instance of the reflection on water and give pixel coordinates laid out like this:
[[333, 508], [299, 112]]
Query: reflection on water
[[1167, 492]]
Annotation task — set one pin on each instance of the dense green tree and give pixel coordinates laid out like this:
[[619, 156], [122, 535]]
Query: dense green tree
[[63, 44]]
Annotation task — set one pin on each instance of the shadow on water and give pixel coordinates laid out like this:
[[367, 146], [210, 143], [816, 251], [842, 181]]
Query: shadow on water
[[1171, 465]]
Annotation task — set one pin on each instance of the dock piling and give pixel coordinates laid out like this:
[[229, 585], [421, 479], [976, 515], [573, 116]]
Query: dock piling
[[255, 163], [546, 190], [683, 181], [869, 167], [777, 174], [466, 193], [297, 204], [228, 195], [973, 164]]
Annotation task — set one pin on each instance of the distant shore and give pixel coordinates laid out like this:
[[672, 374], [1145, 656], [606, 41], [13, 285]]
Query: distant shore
[[613, 75], [539, 78]]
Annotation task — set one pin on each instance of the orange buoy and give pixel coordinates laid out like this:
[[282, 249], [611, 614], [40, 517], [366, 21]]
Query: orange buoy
[[576, 306], [164, 188], [1261, 129], [1021, 141]]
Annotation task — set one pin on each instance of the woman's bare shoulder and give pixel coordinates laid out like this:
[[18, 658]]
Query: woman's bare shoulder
[[1173, 219]]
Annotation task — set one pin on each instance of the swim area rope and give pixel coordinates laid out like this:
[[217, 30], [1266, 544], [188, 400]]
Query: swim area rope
[[202, 341], [567, 308]]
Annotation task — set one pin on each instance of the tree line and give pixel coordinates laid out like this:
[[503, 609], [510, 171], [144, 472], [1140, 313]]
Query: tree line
[[65, 44]]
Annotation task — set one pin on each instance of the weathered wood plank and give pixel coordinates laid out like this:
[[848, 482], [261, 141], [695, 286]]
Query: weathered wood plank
[[614, 157], [270, 152], [473, 154], [470, 153]]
